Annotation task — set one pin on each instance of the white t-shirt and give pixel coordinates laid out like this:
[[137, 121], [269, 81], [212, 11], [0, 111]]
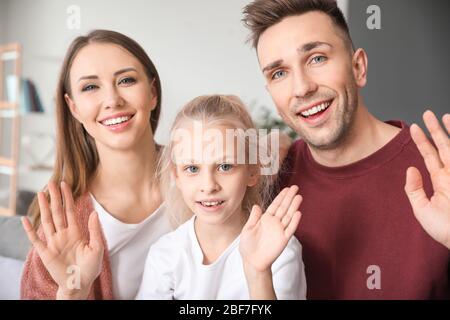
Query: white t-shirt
[[174, 270], [128, 245]]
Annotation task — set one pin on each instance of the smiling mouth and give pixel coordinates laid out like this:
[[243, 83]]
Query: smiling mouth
[[116, 121], [316, 110], [210, 204]]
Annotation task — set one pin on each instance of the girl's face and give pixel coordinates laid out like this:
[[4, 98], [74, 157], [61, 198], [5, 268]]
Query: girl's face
[[111, 96], [212, 183]]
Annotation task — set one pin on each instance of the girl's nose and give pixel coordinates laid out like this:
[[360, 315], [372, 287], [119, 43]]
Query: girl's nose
[[209, 184]]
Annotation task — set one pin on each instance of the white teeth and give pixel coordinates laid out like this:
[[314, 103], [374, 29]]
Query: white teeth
[[210, 204], [315, 109], [111, 122]]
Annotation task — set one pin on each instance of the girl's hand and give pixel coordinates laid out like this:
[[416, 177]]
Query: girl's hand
[[434, 213], [72, 262], [265, 236]]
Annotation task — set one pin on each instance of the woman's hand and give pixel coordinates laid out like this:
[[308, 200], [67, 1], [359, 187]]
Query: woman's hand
[[72, 261], [434, 213]]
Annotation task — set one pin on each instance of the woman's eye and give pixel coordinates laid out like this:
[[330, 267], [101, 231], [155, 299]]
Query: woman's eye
[[89, 87], [278, 74], [191, 169], [225, 167], [127, 81], [318, 59]]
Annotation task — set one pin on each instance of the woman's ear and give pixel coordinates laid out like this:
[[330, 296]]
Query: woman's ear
[[155, 97], [359, 66], [72, 107]]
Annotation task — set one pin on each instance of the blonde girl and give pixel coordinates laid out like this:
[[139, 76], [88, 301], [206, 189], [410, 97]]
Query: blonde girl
[[225, 247]]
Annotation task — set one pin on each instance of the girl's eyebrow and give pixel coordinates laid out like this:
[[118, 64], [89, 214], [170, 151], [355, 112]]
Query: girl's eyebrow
[[115, 74]]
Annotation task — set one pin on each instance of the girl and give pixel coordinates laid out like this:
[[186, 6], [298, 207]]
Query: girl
[[221, 252], [108, 103]]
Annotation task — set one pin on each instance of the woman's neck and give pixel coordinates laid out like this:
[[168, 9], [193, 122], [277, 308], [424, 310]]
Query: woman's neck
[[125, 178]]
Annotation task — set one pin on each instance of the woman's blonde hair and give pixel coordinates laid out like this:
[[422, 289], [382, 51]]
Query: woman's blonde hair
[[226, 110]]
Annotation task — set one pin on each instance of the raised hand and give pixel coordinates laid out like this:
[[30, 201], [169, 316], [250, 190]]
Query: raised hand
[[65, 253], [265, 236], [434, 213]]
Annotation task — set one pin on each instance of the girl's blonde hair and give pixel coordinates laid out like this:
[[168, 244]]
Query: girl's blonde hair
[[224, 110]]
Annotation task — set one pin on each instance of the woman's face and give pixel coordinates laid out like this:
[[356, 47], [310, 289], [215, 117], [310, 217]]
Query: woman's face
[[111, 96]]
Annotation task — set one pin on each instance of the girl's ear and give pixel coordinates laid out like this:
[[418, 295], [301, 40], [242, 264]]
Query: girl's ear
[[72, 107], [254, 176]]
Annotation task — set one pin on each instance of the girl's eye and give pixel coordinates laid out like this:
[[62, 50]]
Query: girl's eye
[[89, 87], [191, 169], [128, 80], [225, 167], [318, 59], [278, 74]]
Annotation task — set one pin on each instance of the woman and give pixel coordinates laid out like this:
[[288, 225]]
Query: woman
[[108, 104]]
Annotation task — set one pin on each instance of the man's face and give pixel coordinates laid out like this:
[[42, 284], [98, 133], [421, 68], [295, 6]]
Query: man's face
[[311, 76]]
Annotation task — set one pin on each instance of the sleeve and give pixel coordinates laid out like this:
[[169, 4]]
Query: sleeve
[[288, 271], [157, 281], [36, 282]]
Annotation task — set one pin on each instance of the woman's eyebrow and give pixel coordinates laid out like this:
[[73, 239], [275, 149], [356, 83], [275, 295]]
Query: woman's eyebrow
[[90, 77]]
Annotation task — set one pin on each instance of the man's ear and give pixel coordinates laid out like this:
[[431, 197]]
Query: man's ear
[[359, 66], [72, 107], [254, 176]]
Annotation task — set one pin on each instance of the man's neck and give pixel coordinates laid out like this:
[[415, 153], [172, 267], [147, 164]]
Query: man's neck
[[366, 136]]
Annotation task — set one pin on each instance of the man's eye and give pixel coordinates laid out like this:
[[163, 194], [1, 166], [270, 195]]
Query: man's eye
[[318, 59], [225, 167], [191, 169], [128, 80], [89, 87], [278, 74]]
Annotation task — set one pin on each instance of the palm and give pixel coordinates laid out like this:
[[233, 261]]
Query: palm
[[262, 244], [434, 213], [265, 236], [67, 249], [71, 260]]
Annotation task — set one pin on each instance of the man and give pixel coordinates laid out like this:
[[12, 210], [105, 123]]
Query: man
[[359, 234]]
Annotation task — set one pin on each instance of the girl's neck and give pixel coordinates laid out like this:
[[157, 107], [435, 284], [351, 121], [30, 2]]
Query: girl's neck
[[214, 239]]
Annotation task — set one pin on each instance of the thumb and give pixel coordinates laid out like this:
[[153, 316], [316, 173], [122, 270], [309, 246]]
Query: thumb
[[95, 232], [254, 217], [414, 189]]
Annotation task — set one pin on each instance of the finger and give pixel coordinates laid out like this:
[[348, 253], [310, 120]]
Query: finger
[[95, 231], [32, 236], [69, 204], [46, 216], [292, 209], [276, 202], [293, 225], [446, 120], [56, 206], [286, 203], [428, 152], [440, 137], [414, 189], [254, 217]]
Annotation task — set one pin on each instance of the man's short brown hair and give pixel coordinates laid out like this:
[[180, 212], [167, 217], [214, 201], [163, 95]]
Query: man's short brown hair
[[262, 14]]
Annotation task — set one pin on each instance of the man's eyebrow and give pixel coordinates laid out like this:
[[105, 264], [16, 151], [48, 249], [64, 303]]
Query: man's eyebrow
[[312, 45], [272, 65], [115, 74]]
